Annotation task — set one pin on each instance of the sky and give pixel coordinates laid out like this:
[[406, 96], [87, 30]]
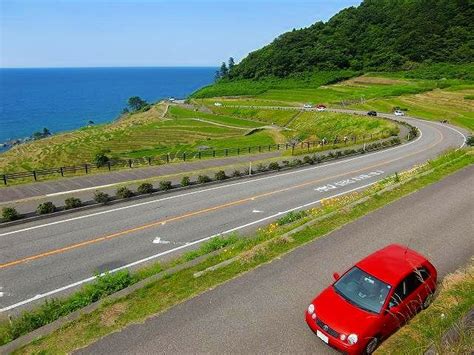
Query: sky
[[106, 33]]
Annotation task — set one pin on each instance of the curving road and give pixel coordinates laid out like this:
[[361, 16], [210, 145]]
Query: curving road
[[46, 258]]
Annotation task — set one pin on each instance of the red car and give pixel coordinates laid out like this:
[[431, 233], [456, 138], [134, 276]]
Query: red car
[[372, 300]]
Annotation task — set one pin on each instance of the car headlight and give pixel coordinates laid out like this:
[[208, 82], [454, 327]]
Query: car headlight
[[352, 339], [311, 308]]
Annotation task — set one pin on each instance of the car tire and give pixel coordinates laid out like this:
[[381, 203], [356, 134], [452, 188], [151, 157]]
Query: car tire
[[427, 302], [371, 346]]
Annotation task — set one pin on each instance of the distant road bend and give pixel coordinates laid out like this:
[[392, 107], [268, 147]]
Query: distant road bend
[[49, 257]]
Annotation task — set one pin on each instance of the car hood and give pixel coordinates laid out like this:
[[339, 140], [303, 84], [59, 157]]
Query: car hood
[[342, 316]]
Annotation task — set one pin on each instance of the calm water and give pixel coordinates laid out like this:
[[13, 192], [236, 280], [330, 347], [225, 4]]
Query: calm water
[[65, 99]]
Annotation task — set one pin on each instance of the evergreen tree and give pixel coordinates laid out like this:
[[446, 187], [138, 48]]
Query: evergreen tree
[[223, 71]]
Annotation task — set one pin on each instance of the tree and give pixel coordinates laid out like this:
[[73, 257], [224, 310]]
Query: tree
[[217, 75], [136, 103], [231, 64], [101, 159], [223, 71], [90, 122], [46, 132]]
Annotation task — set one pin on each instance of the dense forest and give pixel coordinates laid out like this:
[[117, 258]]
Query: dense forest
[[377, 35]]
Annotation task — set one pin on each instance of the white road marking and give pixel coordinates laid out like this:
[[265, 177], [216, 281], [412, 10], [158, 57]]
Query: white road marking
[[152, 257], [257, 211], [158, 240], [206, 190], [80, 190]]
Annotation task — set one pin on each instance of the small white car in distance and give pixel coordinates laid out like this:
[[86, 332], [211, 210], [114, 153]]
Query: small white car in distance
[[307, 106], [217, 104], [399, 113]]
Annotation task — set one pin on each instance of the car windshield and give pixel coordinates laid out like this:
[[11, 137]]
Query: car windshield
[[362, 290]]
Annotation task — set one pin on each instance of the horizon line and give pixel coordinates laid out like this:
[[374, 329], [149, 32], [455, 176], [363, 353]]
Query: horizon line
[[117, 67]]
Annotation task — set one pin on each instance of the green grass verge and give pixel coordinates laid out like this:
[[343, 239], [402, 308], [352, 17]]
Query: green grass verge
[[455, 299], [266, 245]]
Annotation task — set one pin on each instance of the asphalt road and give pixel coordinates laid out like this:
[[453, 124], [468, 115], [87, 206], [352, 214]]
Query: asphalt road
[[49, 257], [263, 310]]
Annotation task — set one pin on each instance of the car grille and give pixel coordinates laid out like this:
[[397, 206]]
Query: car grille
[[327, 328]]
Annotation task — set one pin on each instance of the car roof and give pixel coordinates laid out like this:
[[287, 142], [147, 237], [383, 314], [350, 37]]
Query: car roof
[[392, 263]]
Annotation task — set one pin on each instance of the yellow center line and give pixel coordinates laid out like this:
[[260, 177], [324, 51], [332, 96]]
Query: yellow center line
[[199, 212]]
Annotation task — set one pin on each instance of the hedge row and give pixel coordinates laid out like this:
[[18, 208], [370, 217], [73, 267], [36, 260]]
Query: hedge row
[[10, 213]]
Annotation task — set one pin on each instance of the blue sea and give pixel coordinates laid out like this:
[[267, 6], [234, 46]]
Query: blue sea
[[63, 99]]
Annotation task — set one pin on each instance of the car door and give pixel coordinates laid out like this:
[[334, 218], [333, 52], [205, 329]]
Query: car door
[[395, 315]]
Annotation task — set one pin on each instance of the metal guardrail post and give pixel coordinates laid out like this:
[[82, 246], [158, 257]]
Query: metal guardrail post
[[4, 179], [34, 175], [61, 171]]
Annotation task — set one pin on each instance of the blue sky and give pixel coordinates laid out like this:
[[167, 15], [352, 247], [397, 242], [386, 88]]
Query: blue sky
[[94, 33]]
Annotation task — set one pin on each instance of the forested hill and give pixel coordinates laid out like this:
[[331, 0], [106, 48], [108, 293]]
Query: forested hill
[[377, 35]]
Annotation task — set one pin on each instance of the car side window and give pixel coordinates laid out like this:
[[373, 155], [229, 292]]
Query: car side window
[[398, 295], [413, 281]]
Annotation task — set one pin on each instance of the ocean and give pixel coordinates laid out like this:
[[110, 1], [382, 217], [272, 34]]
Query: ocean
[[63, 99]]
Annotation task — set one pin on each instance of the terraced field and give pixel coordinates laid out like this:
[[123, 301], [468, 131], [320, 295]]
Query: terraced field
[[144, 134], [452, 104]]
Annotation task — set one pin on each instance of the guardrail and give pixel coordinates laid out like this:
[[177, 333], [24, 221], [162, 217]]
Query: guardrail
[[87, 168]]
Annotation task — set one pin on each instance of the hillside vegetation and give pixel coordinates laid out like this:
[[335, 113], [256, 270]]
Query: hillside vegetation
[[378, 35]]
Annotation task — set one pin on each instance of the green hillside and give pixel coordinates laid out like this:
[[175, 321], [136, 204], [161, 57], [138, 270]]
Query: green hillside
[[377, 35]]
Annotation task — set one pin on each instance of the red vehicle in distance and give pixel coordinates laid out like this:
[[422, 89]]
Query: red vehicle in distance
[[372, 300]]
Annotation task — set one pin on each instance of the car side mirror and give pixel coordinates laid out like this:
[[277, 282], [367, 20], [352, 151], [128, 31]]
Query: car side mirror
[[336, 276]]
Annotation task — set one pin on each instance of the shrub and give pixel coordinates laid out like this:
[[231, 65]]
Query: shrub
[[10, 214], [51, 310], [361, 150], [46, 207], [286, 163], [202, 179], [220, 175], [124, 192], [101, 159], [338, 154], [317, 159], [308, 160], [261, 167], [165, 185], [291, 217], [101, 197], [185, 181], [145, 188], [72, 202], [236, 173], [274, 166], [470, 141], [296, 162]]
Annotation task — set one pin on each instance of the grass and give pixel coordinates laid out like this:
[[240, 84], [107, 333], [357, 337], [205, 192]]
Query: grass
[[318, 125], [256, 87], [455, 299], [436, 105], [138, 135], [263, 247]]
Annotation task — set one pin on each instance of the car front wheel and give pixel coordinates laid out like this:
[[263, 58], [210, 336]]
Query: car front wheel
[[371, 346]]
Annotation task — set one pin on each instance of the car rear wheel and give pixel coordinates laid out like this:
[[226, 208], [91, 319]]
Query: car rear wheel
[[371, 346], [427, 301]]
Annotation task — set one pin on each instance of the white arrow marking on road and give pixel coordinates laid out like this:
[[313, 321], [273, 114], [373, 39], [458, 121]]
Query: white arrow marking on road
[[158, 240], [2, 293]]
